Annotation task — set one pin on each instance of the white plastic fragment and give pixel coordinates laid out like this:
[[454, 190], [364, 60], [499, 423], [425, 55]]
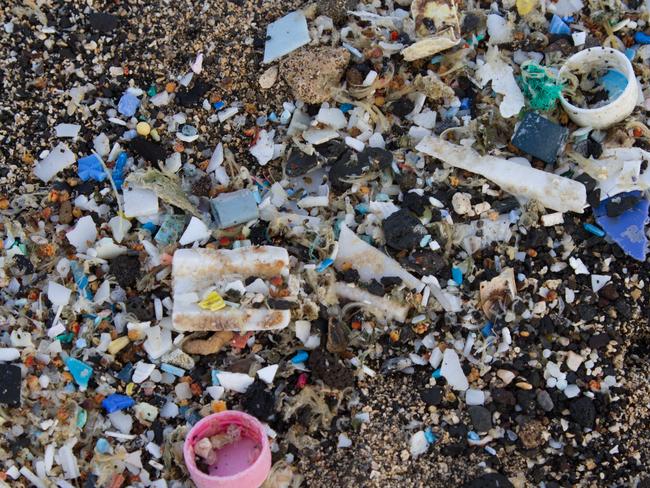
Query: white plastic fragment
[[216, 159], [121, 421], [578, 266], [354, 143], [303, 329], [59, 295], [498, 29], [197, 65], [264, 147], [474, 397], [9, 354], [35, 480], [142, 371], [67, 130], [383, 308], [267, 373], [119, 227], [599, 281], [501, 74], [555, 192], [196, 231], [57, 160], [332, 117], [285, 35], [84, 233], [107, 249], [216, 392], [369, 261], [238, 382], [140, 202], [579, 38], [159, 341], [452, 371], [549, 220], [343, 441], [319, 136], [102, 145], [68, 462], [160, 99]]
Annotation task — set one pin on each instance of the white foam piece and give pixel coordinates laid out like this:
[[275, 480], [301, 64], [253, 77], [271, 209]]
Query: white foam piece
[[57, 160]]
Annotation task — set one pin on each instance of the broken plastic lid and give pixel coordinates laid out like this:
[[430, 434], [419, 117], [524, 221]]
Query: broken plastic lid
[[628, 229]]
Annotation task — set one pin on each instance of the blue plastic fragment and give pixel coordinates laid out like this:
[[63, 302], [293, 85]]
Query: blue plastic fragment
[[80, 371], [457, 275], [234, 208], [642, 38], [346, 107], [614, 82], [430, 436], [170, 230], [273, 117], [150, 227], [171, 369], [437, 373], [568, 19], [102, 446], [557, 26], [118, 170], [80, 279], [125, 373], [90, 168], [465, 104], [473, 436], [219, 105], [628, 229], [324, 264], [592, 229], [486, 330], [128, 104], [113, 403], [540, 137], [630, 52], [300, 357]]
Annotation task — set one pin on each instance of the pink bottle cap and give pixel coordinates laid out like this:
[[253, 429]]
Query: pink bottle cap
[[244, 463]]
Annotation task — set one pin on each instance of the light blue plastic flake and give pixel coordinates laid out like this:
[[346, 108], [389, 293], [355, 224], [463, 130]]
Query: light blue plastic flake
[[457, 275], [128, 105], [430, 436], [437, 373], [614, 82], [102, 446], [424, 242], [285, 35], [90, 168], [118, 170], [362, 208], [273, 117], [473, 436], [592, 229], [171, 369], [285, 117], [558, 26], [82, 417], [80, 371], [300, 357], [81, 343], [486, 330], [346, 107], [215, 378]]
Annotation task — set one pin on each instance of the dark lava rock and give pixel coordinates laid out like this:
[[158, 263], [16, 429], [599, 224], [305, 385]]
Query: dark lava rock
[[148, 150], [126, 270], [102, 22], [141, 308], [402, 107], [299, 163], [619, 204], [347, 166], [583, 411], [481, 418], [202, 186], [376, 157], [432, 396], [403, 230], [598, 341], [331, 150], [326, 367], [258, 401], [490, 480], [427, 262], [416, 203], [376, 288], [10, 380], [192, 97], [504, 397]]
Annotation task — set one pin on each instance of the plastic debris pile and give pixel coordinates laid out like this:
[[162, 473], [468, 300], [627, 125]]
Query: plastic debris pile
[[421, 214]]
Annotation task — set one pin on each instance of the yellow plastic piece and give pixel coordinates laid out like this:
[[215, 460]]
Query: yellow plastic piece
[[212, 302], [524, 7], [129, 388]]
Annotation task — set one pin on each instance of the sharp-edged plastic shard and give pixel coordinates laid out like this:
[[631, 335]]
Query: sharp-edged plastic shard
[[555, 192], [428, 47], [628, 229], [452, 371], [196, 231], [197, 270], [57, 160], [503, 81], [369, 261], [285, 35], [84, 233], [383, 308], [140, 202]]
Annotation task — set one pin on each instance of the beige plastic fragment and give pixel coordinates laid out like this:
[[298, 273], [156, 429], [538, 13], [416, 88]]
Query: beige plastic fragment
[[195, 272], [383, 308], [444, 16]]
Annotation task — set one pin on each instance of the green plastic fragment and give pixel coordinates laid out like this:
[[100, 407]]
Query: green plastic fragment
[[65, 338], [82, 417], [539, 85], [151, 91]]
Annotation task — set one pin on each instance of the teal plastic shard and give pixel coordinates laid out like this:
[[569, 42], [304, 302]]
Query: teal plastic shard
[[170, 230], [80, 371], [285, 35], [235, 208]]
